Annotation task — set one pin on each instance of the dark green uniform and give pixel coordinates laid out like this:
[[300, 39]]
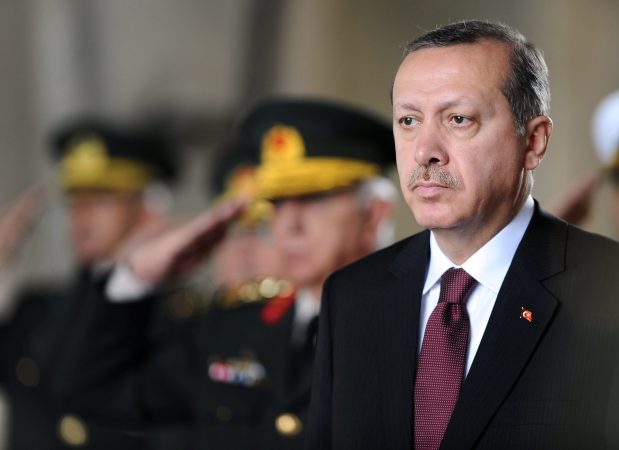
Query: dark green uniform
[[236, 378], [31, 347], [256, 382], [96, 157]]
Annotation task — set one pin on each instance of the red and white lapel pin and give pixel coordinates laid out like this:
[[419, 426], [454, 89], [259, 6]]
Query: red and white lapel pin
[[526, 314]]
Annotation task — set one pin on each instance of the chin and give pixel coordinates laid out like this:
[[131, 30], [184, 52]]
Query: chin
[[431, 216]]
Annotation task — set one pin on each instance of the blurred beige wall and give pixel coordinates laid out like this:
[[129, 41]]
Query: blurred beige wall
[[350, 49], [63, 57], [212, 58]]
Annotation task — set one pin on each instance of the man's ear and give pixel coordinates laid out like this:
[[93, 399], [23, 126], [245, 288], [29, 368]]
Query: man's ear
[[538, 131], [379, 211]]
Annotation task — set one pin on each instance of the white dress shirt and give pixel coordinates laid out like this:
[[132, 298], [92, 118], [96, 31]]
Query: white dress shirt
[[488, 266], [306, 308]]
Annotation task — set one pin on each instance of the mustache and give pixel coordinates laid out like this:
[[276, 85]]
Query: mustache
[[433, 173]]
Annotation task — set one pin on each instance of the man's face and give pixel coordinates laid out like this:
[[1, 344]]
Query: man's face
[[317, 235], [450, 116], [100, 223]]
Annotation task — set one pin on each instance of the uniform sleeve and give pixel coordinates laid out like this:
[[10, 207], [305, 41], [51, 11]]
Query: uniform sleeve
[[320, 415], [123, 286], [113, 371]]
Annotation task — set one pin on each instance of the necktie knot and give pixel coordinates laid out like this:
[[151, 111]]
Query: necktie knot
[[456, 285]]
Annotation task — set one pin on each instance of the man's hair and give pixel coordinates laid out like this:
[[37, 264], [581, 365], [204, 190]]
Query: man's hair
[[526, 86]]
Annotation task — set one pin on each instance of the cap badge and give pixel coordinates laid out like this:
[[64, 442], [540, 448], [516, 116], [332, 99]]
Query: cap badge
[[87, 155], [282, 143]]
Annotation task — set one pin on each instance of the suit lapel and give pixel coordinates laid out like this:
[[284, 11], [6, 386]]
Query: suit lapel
[[509, 340], [401, 314]]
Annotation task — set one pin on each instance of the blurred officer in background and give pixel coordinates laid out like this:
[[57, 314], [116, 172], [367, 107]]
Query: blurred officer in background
[[575, 207], [246, 254], [605, 127], [320, 166], [107, 173]]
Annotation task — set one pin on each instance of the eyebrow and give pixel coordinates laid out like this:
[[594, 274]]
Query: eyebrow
[[409, 106]]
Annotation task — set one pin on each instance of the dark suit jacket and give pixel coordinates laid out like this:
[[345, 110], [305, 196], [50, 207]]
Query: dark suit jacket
[[541, 384]]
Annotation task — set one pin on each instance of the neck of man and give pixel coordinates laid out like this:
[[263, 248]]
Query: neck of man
[[461, 242]]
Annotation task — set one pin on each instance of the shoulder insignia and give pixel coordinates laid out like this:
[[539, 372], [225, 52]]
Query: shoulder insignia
[[259, 291]]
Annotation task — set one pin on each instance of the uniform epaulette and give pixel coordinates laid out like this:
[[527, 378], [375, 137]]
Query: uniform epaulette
[[257, 291]]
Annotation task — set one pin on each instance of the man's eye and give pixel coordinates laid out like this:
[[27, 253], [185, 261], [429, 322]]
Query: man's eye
[[408, 121], [460, 120]]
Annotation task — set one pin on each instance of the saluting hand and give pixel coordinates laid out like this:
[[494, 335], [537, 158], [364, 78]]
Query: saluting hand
[[575, 206], [17, 219], [178, 250]]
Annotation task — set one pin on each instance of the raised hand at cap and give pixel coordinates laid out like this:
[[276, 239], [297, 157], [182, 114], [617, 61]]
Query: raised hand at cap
[[178, 250], [17, 220], [576, 205]]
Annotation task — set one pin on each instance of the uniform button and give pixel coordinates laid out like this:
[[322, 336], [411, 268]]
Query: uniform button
[[73, 430], [27, 372], [223, 413], [288, 424]]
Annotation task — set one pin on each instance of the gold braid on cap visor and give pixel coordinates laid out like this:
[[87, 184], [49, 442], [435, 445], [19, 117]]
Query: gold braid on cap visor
[[87, 166], [287, 178], [243, 183]]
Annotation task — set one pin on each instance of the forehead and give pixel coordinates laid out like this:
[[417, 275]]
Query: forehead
[[97, 196], [468, 71]]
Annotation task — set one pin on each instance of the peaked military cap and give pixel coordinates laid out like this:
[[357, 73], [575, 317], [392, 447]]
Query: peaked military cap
[[311, 146], [233, 158], [100, 154], [233, 174]]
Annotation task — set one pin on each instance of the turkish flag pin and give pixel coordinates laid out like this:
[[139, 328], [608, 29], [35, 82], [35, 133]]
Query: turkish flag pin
[[526, 314]]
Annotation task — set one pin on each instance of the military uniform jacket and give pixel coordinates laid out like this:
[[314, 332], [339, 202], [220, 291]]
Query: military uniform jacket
[[235, 378], [31, 344], [256, 384], [548, 383]]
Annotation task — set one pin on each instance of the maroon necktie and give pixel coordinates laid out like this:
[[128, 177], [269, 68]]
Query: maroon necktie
[[440, 368]]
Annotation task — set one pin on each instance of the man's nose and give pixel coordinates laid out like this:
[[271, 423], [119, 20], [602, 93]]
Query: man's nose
[[430, 148], [288, 215]]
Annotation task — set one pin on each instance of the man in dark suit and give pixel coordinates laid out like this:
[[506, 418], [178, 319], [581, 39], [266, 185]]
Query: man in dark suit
[[525, 355], [104, 170]]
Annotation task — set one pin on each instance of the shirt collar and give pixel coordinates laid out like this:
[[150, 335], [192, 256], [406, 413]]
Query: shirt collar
[[490, 263], [307, 306]]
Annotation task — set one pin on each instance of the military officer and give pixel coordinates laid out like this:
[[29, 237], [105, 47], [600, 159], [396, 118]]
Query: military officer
[[320, 167], [105, 172], [576, 204], [605, 130]]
